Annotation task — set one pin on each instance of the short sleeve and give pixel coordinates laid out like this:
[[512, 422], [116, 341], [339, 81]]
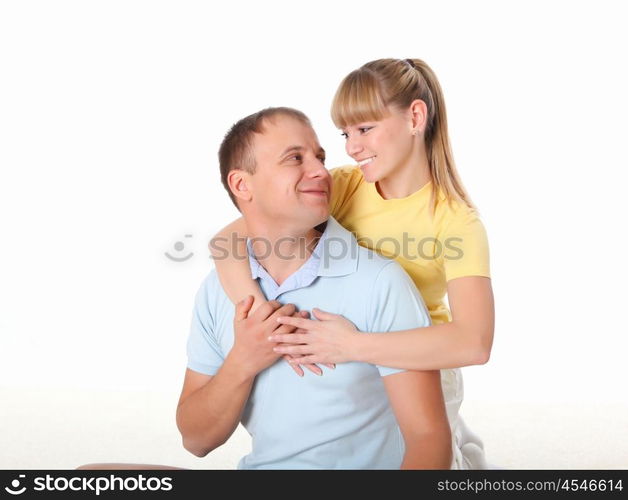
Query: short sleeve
[[465, 244], [345, 181], [203, 350], [395, 304]]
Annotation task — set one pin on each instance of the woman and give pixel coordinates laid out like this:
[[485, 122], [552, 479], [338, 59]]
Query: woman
[[405, 200]]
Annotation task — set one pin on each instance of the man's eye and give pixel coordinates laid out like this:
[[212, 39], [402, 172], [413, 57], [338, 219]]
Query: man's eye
[[296, 157]]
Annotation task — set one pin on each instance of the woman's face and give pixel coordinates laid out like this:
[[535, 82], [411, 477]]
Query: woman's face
[[381, 147]]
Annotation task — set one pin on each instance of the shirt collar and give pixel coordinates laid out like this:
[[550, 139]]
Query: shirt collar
[[335, 254]]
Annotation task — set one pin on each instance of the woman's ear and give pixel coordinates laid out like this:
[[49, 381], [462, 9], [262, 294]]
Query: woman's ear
[[239, 182], [418, 116]]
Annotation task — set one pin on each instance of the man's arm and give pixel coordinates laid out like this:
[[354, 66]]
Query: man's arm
[[210, 406], [417, 401]]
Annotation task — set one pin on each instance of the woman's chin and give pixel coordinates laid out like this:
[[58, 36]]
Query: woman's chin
[[370, 176]]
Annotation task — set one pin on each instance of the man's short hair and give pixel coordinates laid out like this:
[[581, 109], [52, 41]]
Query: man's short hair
[[236, 149]]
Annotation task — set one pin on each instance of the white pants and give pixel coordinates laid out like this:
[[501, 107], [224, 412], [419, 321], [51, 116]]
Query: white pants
[[467, 447]]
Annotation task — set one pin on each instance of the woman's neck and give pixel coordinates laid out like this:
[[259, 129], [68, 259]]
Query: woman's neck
[[405, 180]]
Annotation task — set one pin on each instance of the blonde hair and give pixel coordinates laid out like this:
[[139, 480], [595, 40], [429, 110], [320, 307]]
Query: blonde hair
[[366, 95]]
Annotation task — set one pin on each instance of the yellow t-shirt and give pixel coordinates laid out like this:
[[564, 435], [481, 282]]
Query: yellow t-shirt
[[432, 250]]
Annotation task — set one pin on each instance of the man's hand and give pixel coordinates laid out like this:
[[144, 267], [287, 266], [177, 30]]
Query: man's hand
[[251, 348]]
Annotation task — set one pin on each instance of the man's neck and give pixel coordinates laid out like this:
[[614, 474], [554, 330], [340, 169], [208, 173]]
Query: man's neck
[[282, 251]]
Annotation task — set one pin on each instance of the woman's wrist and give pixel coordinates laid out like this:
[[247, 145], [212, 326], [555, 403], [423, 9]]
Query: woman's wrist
[[358, 347]]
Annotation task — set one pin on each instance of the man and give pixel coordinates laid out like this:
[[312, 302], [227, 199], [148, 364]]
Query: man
[[356, 416]]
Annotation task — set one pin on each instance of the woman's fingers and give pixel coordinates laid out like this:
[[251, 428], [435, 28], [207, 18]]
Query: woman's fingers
[[292, 349], [295, 366], [323, 315], [316, 370], [305, 360], [288, 338], [306, 324]]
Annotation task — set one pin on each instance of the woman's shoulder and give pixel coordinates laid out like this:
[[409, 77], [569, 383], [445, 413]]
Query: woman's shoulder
[[346, 173], [346, 180], [454, 212]]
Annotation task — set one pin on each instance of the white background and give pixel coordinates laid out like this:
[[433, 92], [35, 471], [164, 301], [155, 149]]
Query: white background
[[111, 114]]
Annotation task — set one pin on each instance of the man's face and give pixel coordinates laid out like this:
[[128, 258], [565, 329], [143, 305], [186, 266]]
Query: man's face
[[290, 184]]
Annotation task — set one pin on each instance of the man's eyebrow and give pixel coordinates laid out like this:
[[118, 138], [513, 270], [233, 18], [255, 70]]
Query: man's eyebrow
[[293, 149]]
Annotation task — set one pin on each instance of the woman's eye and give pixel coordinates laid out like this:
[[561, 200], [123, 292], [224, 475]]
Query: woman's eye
[[345, 135], [363, 130], [322, 159]]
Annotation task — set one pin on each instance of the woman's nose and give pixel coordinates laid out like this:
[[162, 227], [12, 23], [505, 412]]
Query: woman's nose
[[353, 146]]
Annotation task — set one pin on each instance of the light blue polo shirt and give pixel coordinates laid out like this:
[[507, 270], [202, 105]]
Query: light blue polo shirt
[[343, 419]]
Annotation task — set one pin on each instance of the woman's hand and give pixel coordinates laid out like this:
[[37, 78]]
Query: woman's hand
[[332, 339], [293, 360], [245, 321]]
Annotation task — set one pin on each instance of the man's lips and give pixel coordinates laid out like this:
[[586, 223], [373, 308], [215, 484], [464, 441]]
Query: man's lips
[[315, 192]]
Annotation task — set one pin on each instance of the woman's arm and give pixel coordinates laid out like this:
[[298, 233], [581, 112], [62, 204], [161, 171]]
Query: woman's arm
[[228, 249], [466, 340], [416, 398]]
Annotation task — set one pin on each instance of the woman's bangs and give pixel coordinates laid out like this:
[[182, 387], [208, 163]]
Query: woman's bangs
[[358, 100]]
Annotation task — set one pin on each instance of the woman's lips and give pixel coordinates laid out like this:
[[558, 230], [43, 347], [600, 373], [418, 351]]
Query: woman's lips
[[366, 161]]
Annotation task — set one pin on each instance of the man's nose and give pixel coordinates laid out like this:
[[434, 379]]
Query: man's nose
[[315, 168]]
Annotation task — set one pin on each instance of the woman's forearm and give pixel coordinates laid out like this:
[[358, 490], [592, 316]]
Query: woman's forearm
[[430, 348], [432, 451], [228, 249]]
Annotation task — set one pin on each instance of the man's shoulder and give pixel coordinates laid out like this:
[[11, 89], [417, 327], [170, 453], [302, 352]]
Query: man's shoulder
[[212, 292], [370, 260]]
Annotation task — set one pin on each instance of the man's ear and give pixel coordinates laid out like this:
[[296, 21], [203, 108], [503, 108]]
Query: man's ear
[[239, 183]]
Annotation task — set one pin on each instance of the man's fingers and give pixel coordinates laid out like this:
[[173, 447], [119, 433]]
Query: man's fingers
[[243, 307], [283, 329], [265, 310], [285, 310]]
